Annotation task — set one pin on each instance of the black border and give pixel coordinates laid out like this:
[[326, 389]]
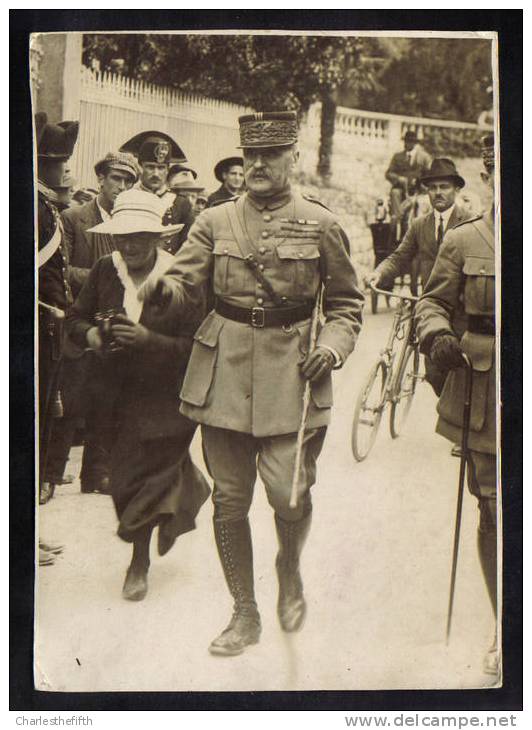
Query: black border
[[509, 25]]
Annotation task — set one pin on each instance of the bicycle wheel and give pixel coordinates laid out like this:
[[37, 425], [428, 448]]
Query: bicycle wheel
[[368, 411], [404, 390]]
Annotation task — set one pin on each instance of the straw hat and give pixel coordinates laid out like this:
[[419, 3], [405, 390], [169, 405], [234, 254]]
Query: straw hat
[[137, 211]]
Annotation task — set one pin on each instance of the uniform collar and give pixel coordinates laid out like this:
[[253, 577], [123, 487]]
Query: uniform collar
[[48, 193], [271, 203]]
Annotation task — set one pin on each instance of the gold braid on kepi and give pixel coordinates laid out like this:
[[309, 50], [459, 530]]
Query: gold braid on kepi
[[268, 129], [488, 152]]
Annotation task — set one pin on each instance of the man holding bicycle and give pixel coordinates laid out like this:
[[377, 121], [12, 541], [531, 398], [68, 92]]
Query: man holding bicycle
[[464, 277]]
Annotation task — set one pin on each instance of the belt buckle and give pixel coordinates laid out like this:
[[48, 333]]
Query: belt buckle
[[257, 317]]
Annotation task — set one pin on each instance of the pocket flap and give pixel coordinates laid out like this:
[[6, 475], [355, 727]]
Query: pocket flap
[[479, 266], [298, 251], [480, 349], [227, 247], [209, 330]]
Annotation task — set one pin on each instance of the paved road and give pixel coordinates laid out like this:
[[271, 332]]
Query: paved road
[[376, 572]]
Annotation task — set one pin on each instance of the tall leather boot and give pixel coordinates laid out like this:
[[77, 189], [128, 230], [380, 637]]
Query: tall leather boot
[[233, 540], [291, 605], [487, 551]]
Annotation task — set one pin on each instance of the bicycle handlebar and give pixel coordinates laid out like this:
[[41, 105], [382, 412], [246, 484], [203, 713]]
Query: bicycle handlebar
[[406, 297]]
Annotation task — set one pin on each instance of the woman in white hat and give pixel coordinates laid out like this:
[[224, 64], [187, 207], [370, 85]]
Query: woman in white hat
[[137, 381]]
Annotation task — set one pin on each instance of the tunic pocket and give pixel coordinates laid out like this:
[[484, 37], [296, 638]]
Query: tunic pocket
[[202, 363], [480, 349], [479, 292], [299, 265], [229, 267]]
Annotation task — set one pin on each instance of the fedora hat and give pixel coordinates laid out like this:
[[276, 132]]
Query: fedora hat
[[223, 165], [443, 168], [136, 211], [55, 141], [183, 179]]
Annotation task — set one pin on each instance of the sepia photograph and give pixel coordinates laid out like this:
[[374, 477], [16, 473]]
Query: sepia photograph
[[267, 380]]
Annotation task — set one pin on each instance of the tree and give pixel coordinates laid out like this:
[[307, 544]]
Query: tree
[[260, 71]]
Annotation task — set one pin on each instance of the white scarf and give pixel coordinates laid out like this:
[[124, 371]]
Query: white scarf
[[133, 294]]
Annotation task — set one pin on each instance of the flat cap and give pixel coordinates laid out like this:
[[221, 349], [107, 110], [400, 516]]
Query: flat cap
[[268, 129], [122, 161]]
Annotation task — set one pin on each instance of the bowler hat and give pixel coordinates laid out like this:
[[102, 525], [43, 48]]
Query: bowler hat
[[55, 141], [223, 165], [443, 168], [154, 146], [136, 211], [122, 161], [268, 129]]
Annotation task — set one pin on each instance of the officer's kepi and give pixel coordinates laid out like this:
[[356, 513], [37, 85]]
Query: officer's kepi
[[154, 146], [267, 129]]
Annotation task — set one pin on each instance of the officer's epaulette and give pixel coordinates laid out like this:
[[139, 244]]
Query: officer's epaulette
[[227, 200], [468, 220], [315, 200]]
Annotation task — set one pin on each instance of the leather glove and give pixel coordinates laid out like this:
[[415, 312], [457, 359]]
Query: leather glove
[[319, 363], [446, 352]]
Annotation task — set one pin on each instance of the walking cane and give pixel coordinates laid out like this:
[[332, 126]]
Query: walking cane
[[306, 402], [461, 480]]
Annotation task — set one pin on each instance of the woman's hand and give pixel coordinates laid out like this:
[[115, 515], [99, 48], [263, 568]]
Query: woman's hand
[[129, 334], [94, 341]]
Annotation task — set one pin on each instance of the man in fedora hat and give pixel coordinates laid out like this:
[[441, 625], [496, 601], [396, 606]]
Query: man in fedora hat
[[230, 173], [116, 172], [268, 255], [424, 237], [55, 144], [182, 184], [405, 169], [463, 280]]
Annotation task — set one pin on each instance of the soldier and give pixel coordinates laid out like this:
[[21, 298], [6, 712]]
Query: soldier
[[269, 253], [464, 276], [230, 173], [55, 143], [424, 238]]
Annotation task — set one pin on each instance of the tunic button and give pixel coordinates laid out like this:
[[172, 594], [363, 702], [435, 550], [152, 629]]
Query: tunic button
[[226, 250], [265, 234], [259, 285], [300, 255], [482, 271], [262, 249], [261, 267], [267, 217], [260, 300]]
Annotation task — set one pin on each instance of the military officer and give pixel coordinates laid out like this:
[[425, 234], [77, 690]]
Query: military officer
[[230, 173], [464, 275], [55, 143], [269, 253]]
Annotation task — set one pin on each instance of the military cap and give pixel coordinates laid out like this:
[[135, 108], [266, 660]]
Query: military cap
[[122, 161], [488, 152], [268, 129], [223, 165], [154, 146], [55, 141], [443, 168]]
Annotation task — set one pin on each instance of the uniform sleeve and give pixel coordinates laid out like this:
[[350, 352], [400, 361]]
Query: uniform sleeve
[[343, 301], [441, 296], [76, 274], [397, 261], [80, 317]]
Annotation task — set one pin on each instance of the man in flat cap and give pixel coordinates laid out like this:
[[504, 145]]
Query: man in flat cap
[[270, 254], [116, 172], [424, 238], [463, 279], [55, 144], [230, 173]]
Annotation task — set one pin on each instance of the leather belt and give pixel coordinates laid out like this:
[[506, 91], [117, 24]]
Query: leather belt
[[479, 325], [261, 317]]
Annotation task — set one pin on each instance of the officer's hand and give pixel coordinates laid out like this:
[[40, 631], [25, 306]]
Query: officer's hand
[[372, 279], [129, 334], [446, 352], [94, 341], [157, 294], [319, 363]]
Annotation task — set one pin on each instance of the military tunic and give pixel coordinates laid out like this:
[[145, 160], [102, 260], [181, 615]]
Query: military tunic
[[244, 381], [464, 275]]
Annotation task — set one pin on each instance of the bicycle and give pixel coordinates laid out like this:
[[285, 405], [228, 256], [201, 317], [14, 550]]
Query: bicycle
[[393, 379]]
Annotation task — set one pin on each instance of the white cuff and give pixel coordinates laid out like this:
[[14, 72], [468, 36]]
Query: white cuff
[[337, 359]]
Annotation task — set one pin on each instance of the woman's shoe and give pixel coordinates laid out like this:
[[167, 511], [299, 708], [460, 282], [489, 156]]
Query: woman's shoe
[[136, 583]]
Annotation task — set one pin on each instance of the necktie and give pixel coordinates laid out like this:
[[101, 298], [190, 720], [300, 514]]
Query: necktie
[[440, 231]]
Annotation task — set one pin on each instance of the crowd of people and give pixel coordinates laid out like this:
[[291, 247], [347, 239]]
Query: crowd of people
[[162, 308]]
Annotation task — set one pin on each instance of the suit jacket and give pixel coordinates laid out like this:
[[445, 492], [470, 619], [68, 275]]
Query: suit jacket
[[400, 166], [84, 248], [464, 276], [248, 379], [420, 240], [219, 195]]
